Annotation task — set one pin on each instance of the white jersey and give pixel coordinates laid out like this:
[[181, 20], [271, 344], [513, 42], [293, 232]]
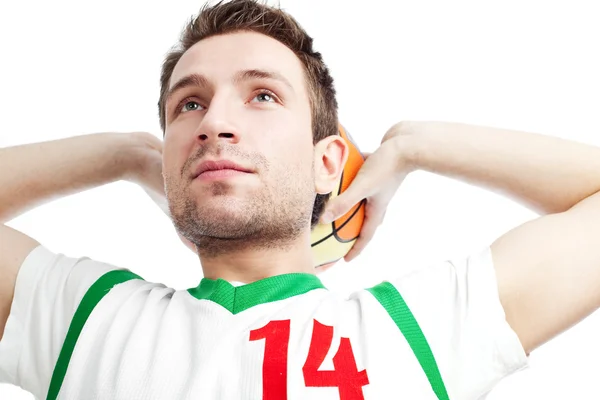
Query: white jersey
[[80, 329]]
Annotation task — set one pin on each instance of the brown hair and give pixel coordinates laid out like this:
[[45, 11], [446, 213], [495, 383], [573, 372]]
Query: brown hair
[[250, 15]]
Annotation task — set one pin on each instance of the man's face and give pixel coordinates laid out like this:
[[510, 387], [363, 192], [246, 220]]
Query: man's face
[[245, 102]]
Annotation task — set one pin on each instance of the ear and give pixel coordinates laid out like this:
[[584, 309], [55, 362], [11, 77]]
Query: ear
[[331, 155]]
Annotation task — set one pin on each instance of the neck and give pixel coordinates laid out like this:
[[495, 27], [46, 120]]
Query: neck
[[251, 263]]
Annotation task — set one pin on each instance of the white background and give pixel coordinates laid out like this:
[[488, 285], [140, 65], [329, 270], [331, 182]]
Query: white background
[[70, 68]]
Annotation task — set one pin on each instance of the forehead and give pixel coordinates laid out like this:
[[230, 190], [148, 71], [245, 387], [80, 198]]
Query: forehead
[[220, 57]]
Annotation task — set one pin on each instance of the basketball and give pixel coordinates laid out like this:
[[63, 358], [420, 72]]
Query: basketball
[[331, 242]]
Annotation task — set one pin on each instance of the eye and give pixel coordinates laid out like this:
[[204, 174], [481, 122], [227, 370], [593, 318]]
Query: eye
[[190, 105], [265, 96]]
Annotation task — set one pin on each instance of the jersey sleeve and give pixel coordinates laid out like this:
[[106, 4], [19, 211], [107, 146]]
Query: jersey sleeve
[[457, 308], [48, 291]]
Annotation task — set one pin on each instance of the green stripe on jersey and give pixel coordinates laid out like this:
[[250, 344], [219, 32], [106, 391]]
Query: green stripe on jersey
[[92, 297], [398, 310], [274, 288]]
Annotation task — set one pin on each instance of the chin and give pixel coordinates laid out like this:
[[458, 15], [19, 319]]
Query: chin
[[221, 215], [223, 206], [225, 218]]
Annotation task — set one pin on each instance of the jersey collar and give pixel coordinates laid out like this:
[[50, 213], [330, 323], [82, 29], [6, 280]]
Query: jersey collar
[[238, 299]]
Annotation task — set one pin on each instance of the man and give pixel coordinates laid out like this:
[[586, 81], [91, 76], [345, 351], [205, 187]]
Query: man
[[249, 116]]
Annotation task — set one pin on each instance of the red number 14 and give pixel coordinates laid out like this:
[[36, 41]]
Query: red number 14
[[345, 375]]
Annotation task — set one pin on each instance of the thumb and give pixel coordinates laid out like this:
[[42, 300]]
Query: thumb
[[359, 189]]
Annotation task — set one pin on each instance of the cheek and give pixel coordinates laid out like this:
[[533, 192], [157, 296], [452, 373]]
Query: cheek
[[294, 164], [295, 152], [289, 147]]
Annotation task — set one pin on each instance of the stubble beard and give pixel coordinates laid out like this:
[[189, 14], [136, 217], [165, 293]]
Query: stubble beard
[[265, 221]]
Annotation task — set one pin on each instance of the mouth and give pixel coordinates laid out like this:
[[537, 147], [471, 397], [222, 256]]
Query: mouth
[[214, 169]]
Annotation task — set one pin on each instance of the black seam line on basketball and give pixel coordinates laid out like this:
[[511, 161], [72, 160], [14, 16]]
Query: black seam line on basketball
[[334, 232], [341, 183], [363, 201], [333, 226]]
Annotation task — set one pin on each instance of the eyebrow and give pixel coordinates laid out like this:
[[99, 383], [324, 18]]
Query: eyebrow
[[192, 80], [198, 80], [250, 74]]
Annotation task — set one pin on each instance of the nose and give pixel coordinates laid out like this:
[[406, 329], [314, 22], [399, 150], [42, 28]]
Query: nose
[[217, 124]]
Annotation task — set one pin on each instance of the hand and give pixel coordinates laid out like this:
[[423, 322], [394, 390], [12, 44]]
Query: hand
[[146, 170], [377, 181]]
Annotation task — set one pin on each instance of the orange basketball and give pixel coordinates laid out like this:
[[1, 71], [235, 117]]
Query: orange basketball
[[331, 242]]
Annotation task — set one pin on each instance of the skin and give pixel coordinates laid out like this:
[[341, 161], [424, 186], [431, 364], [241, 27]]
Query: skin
[[240, 234], [250, 225], [547, 269]]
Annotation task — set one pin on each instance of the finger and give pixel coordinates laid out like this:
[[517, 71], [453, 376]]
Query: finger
[[373, 218], [150, 139], [366, 234], [360, 188]]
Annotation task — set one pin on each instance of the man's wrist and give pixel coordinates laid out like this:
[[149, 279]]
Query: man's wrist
[[132, 155], [409, 140]]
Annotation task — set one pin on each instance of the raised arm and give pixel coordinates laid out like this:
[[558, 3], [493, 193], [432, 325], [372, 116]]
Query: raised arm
[[548, 269], [544, 173], [33, 174]]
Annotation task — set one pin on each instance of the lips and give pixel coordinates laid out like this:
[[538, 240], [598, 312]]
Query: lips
[[216, 165]]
